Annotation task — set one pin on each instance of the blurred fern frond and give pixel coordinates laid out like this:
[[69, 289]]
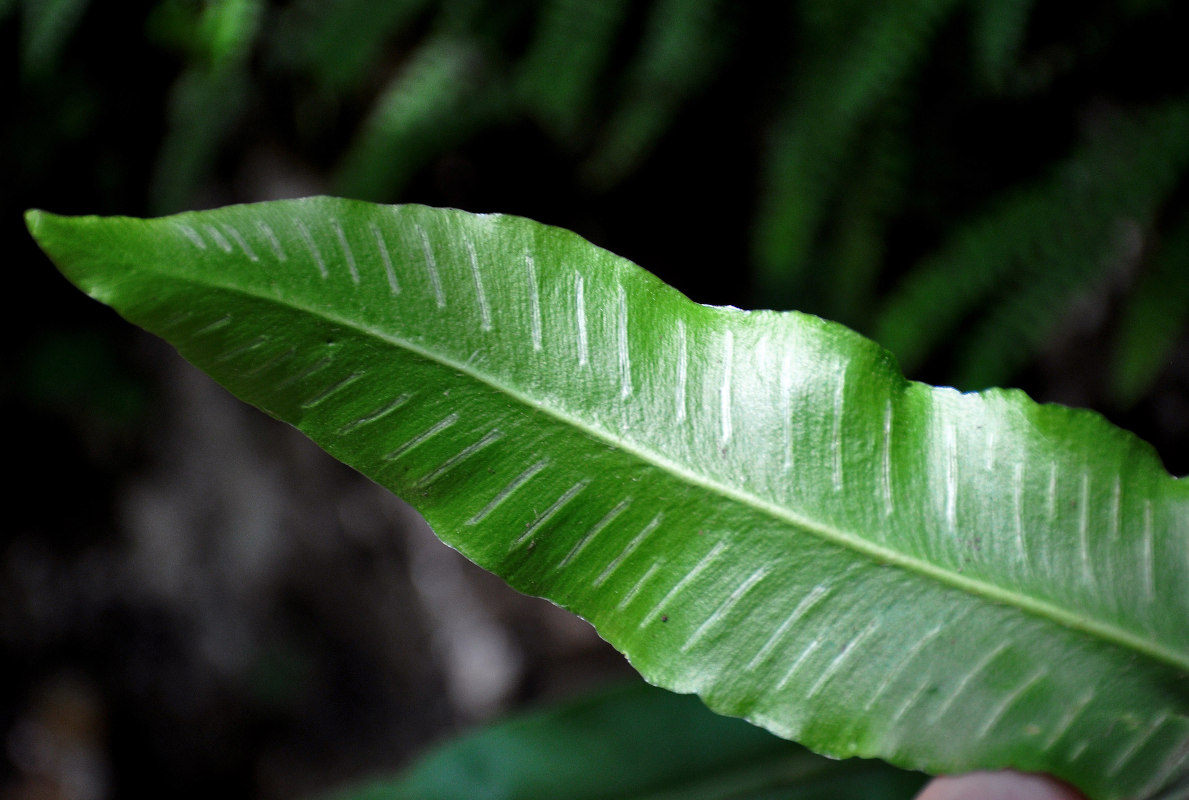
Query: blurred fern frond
[[572, 49], [339, 43], [46, 25], [1157, 314], [855, 238], [1012, 273], [998, 30], [216, 40], [437, 99], [683, 46], [834, 95], [960, 178]]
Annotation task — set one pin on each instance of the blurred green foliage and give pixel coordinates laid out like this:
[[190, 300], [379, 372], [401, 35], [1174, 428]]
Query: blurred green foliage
[[959, 178], [638, 741]]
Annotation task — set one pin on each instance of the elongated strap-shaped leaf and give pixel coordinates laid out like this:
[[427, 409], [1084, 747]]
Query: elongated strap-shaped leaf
[[633, 743], [753, 506]]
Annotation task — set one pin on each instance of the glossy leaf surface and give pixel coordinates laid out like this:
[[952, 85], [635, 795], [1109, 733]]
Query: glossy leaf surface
[[753, 506], [634, 742]]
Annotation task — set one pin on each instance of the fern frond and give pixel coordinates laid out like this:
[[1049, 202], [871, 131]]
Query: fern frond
[[337, 43], [1054, 231], [997, 32], [207, 100], [830, 20], [816, 132], [45, 28], [1066, 293], [853, 253], [437, 100], [1157, 314], [683, 45], [569, 56]]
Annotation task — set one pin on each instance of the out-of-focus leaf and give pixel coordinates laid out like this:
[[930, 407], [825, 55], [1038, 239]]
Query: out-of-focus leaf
[[998, 30], [559, 77], [857, 235], [338, 42], [212, 34], [439, 98], [833, 95], [203, 109], [1031, 252], [683, 45], [1154, 319], [46, 25], [633, 742], [208, 98]]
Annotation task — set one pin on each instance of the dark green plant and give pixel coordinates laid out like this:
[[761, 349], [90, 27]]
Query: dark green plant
[[753, 506], [633, 741], [844, 146], [999, 161]]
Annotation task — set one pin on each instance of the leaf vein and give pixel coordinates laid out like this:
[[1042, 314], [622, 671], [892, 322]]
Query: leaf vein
[[631, 594], [835, 665], [273, 241], [431, 268], [234, 233], [386, 257], [1129, 752], [507, 491], [551, 512], [218, 238], [580, 314], [348, 254], [815, 596], [311, 246], [421, 438], [1008, 701], [614, 563], [966, 680], [724, 608], [489, 439], [330, 390], [191, 234], [607, 519], [377, 414], [714, 554], [725, 388], [534, 300]]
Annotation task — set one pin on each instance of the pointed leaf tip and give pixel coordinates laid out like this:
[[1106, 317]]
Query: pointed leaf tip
[[41, 225], [33, 219]]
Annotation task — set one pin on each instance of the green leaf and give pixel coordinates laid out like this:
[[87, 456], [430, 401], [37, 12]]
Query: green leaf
[[633, 742], [753, 506]]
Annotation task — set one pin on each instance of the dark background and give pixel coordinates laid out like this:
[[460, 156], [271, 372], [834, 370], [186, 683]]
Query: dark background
[[194, 600]]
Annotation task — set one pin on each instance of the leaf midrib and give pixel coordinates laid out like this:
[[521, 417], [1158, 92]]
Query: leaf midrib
[[879, 554]]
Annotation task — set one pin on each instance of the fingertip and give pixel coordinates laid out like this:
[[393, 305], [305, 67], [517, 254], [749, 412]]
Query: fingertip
[[997, 786]]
